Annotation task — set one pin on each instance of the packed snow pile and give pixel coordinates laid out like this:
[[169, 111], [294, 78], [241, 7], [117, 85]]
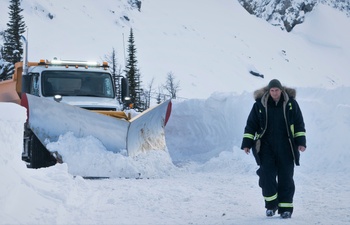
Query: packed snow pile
[[12, 117], [89, 158]]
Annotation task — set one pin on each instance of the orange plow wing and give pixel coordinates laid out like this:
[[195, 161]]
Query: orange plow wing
[[8, 92]]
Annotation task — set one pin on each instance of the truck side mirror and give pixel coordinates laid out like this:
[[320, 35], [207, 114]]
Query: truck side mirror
[[125, 90]]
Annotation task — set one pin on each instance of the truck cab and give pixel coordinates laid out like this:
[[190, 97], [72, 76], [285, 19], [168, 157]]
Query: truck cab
[[84, 84]]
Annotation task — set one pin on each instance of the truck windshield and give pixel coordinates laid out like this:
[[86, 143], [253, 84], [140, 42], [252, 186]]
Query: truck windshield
[[77, 83]]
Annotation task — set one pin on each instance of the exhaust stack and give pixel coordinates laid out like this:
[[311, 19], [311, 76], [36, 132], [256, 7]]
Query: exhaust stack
[[25, 55]]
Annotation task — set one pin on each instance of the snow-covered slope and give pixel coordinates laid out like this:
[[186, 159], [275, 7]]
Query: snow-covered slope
[[205, 179], [210, 46]]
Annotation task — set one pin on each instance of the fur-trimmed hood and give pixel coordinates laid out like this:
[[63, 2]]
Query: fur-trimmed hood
[[291, 92]]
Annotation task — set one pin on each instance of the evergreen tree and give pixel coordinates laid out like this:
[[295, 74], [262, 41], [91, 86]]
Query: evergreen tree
[[133, 75], [6, 70], [16, 27]]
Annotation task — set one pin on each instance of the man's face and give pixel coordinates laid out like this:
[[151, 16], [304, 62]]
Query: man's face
[[275, 93]]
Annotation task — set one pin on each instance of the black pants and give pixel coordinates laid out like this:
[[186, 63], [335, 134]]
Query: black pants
[[276, 177]]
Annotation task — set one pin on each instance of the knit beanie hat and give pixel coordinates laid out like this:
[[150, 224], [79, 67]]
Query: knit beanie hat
[[275, 84]]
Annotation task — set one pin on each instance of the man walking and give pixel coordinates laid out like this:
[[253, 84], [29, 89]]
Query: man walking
[[275, 131]]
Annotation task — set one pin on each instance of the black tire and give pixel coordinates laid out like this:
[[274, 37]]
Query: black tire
[[39, 155]]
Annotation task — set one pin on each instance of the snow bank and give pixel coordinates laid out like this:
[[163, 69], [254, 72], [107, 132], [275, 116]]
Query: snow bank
[[199, 130], [24, 190], [327, 120], [12, 118]]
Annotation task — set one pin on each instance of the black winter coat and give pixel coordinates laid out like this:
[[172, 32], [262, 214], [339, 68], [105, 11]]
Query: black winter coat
[[257, 123]]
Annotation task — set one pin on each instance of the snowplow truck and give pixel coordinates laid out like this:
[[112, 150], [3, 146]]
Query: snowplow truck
[[74, 96]]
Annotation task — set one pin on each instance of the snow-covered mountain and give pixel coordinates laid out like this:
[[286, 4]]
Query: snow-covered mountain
[[289, 13], [204, 178], [207, 45]]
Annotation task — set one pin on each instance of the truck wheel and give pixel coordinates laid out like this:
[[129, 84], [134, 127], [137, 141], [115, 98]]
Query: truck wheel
[[39, 155]]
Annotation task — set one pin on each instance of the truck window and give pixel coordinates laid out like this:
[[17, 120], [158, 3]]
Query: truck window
[[34, 87], [77, 83]]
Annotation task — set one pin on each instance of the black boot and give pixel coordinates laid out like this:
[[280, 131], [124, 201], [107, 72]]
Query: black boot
[[286, 215], [271, 212]]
